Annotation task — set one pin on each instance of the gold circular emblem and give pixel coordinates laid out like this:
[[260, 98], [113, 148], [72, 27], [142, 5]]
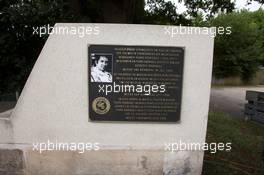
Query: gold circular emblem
[[101, 105]]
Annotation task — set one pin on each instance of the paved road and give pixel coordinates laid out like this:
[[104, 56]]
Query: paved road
[[231, 99]]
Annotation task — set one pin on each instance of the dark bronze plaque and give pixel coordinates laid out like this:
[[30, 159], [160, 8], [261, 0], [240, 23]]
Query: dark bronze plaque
[[135, 83]]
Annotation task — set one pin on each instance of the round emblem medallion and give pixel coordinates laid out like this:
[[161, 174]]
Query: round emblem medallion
[[101, 105]]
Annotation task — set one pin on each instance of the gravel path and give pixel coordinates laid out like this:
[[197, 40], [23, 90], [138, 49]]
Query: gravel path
[[231, 99]]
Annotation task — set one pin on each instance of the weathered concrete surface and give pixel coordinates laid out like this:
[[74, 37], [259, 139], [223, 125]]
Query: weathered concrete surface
[[54, 102], [6, 114], [103, 162], [6, 131], [6, 127], [113, 162], [11, 162]]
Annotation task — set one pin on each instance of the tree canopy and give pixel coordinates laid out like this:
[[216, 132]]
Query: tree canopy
[[239, 53]]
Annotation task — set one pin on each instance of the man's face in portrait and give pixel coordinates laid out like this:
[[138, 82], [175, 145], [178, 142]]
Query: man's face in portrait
[[102, 63]]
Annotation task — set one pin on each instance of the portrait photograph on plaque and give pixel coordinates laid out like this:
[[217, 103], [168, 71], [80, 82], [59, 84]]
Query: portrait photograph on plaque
[[101, 67]]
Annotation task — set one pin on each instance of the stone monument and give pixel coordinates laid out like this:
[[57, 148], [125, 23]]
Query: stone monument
[[130, 132]]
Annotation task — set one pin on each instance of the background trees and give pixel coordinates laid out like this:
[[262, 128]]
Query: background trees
[[237, 54], [240, 53], [208, 7], [19, 48]]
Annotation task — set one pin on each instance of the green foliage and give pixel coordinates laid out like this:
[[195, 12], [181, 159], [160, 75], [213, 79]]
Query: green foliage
[[241, 52], [259, 1], [19, 47], [208, 7], [164, 12]]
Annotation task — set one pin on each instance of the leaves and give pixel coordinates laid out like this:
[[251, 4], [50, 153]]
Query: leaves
[[164, 12], [241, 52], [208, 7], [19, 48]]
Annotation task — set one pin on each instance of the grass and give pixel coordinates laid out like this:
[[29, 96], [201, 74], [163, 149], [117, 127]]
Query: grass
[[247, 153]]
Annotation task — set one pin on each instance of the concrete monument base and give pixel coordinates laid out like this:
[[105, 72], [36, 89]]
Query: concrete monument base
[[54, 106]]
